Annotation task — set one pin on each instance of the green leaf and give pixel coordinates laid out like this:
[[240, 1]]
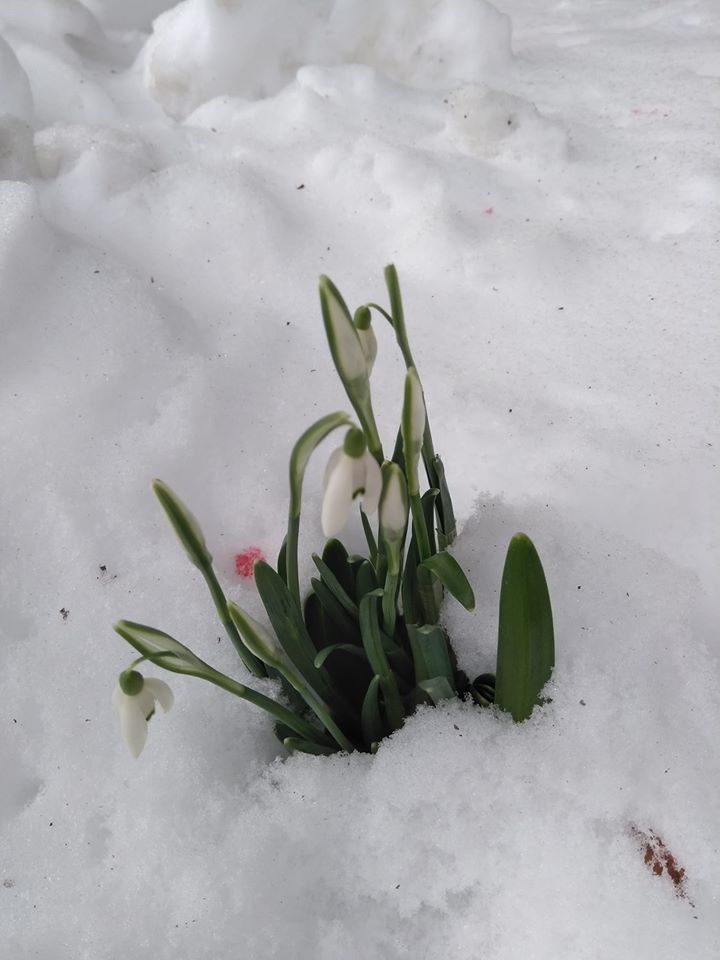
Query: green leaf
[[339, 616], [428, 504], [372, 638], [437, 688], [444, 507], [335, 587], [282, 560], [431, 653], [184, 524], [526, 645], [371, 719], [336, 557], [352, 648], [365, 580], [289, 627], [451, 575]]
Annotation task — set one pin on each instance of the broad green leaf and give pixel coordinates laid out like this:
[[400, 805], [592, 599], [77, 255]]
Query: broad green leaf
[[302, 451], [184, 524], [289, 627], [282, 560], [336, 557], [437, 688], [526, 645], [431, 654], [451, 575]]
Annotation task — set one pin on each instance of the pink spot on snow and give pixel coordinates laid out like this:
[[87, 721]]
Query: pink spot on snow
[[489, 210], [245, 561]]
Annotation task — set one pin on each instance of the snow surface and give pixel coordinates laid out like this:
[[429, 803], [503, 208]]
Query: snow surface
[[546, 177]]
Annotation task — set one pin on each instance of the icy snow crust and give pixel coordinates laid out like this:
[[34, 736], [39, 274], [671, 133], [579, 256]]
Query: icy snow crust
[[551, 201]]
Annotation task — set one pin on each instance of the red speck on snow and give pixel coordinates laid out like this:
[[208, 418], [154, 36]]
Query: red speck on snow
[[245, 561]]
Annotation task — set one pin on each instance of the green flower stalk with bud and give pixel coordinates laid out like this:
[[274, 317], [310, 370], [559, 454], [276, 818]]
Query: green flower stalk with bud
[[358, 650]]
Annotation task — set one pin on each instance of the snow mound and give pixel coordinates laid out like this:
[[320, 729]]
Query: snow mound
[[204, 48]]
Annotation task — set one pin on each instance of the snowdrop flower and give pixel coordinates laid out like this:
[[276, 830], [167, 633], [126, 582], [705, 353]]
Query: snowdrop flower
[[351, 472], [134, 698]]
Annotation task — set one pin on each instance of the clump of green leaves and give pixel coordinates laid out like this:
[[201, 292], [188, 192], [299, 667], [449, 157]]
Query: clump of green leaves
[[363, 647]]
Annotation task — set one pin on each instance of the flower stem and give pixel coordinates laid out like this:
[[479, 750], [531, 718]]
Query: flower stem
[[291, 558], [253, 663]]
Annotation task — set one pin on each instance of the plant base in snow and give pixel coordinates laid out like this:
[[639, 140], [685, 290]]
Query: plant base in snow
[[363, 647]]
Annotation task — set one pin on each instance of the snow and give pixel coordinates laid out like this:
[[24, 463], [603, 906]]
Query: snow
[[545, 177]]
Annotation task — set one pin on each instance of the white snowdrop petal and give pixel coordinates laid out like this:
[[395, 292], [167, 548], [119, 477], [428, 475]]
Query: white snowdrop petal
[[133, 726], [145, 701], [117, 697], [161, 692], [338, 497], [331, 464], [373, 483]]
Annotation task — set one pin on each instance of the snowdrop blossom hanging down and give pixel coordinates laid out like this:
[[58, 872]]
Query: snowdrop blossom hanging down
[[134, 698], [351, 472]]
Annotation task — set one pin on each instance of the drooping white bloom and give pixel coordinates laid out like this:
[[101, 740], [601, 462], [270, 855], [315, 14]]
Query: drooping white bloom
[[135, 709], [346, 478], [368, 342]]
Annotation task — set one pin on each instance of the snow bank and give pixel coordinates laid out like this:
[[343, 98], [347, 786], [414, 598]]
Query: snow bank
[[554, 227], [204, 48]]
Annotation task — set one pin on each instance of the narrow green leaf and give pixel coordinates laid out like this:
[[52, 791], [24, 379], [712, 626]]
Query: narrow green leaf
[[451, 575], [428, 504], [526, 645], [371, 719], [335, 587], [365, 580], [437, 688], [347, 647], [369, 536], [444, 506], [341, 619], [373, 643]]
